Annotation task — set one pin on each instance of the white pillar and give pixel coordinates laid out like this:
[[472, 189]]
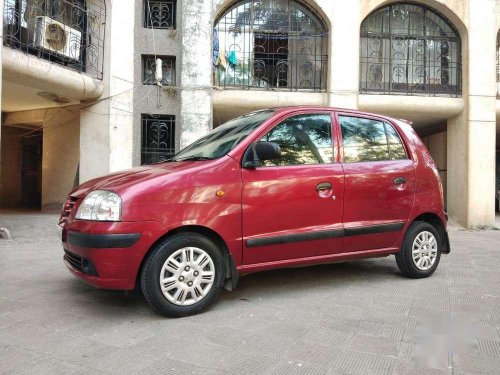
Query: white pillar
[[196, 69], [471, 136], [106, 128], [343, 82]]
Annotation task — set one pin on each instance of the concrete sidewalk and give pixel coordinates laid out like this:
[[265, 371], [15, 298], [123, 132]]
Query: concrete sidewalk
[[361, 317]]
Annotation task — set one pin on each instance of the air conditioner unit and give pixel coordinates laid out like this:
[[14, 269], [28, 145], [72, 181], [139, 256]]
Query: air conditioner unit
[[54, 36]]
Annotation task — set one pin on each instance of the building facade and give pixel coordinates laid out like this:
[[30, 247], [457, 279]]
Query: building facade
[[80, 96]]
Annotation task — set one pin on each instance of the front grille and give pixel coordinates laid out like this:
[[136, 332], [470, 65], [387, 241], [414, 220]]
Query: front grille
[[67, 208], [80, 264], [74, 260]]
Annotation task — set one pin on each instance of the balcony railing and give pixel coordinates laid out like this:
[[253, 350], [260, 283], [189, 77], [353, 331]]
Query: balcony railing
[[66, 32]]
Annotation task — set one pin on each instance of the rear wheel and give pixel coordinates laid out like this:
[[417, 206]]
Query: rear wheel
[[183, 275], [420, 252]]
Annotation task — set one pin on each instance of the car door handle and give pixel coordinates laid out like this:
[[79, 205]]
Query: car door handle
[[324, 186], [399, 180]]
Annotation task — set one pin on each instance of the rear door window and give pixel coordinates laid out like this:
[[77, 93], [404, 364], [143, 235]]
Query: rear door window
[[369, 140]]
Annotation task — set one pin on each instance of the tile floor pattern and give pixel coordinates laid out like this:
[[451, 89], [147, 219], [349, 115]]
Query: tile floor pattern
[[352, 318]]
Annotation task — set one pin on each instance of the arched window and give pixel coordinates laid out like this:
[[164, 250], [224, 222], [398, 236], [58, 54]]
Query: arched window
[[67, 32], [270, 44], [409, 48]]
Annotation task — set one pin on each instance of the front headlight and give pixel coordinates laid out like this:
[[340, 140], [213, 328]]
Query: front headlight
[[100, 205]]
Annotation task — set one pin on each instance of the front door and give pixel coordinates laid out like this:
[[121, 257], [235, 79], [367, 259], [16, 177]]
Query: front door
[[379, 183], [292, 207]]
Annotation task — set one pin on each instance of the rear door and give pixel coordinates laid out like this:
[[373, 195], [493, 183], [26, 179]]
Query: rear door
[[379, 182], [292, 207]]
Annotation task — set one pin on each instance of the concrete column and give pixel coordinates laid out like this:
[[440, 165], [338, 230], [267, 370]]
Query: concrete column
[[471, 136], [196, 70], [343, 82], [106, 128]]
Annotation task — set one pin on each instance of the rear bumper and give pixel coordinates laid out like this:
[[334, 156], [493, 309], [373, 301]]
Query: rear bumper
[[108, 255]]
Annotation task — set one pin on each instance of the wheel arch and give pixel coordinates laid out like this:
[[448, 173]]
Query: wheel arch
[[231, 273], [437, 223]]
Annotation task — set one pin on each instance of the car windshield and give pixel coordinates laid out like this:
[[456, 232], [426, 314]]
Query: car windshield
[[224, 138]]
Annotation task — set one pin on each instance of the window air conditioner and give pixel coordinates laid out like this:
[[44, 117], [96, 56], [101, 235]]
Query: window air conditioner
[[56, 37]]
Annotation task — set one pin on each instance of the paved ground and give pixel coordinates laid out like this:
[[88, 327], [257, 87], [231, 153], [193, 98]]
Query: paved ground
[[360, 317]]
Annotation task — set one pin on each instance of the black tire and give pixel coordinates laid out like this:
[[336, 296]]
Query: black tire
[[150, 274], [404, 258]]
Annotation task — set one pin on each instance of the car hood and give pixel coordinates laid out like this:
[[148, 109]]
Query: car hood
[[123, 180]]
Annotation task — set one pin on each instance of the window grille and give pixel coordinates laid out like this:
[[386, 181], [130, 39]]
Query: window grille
[[271, 44], [66, 32], [160, 14], [158, 138], [409, 48], [149, 69]]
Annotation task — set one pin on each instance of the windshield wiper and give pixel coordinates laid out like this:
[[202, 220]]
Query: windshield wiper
[[194, 158]]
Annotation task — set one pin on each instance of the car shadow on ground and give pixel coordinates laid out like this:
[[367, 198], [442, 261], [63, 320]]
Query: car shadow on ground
[[279, 284]]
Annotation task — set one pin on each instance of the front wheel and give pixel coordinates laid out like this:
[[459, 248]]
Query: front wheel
[[183, 275], [420, 252]]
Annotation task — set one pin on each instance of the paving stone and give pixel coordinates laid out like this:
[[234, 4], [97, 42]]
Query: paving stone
[[327, 336], [236, 362], [53, 367], [298, 369], [380, 330], [489, 348], [471, 364], [169, 366], [406, 350], [12, 357], [374, 345], [314, 353], [409, 368], [364, 363]]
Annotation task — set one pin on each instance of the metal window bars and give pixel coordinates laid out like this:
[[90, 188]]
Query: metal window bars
[[158, 138], [271, 44], [149, 68], [410, 49], [160, 14], [66, 32]]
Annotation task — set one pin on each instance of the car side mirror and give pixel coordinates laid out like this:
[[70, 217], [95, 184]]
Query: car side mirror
[[259, 152]]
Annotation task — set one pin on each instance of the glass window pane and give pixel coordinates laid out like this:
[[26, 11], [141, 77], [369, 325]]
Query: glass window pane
[[363, 139], [409, 48], [396, 148], [303, 139], [267, 44], [224, 138]]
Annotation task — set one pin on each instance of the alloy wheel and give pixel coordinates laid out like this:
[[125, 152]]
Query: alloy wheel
[[187, 276], [424, 250]]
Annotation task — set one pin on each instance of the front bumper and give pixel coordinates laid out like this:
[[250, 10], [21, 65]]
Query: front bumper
[[108, 254]]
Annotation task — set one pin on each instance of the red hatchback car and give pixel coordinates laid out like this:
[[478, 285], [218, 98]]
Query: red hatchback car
[[273, 188]]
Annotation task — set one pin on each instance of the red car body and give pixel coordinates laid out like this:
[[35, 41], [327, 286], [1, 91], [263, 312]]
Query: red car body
[[263, 217]]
